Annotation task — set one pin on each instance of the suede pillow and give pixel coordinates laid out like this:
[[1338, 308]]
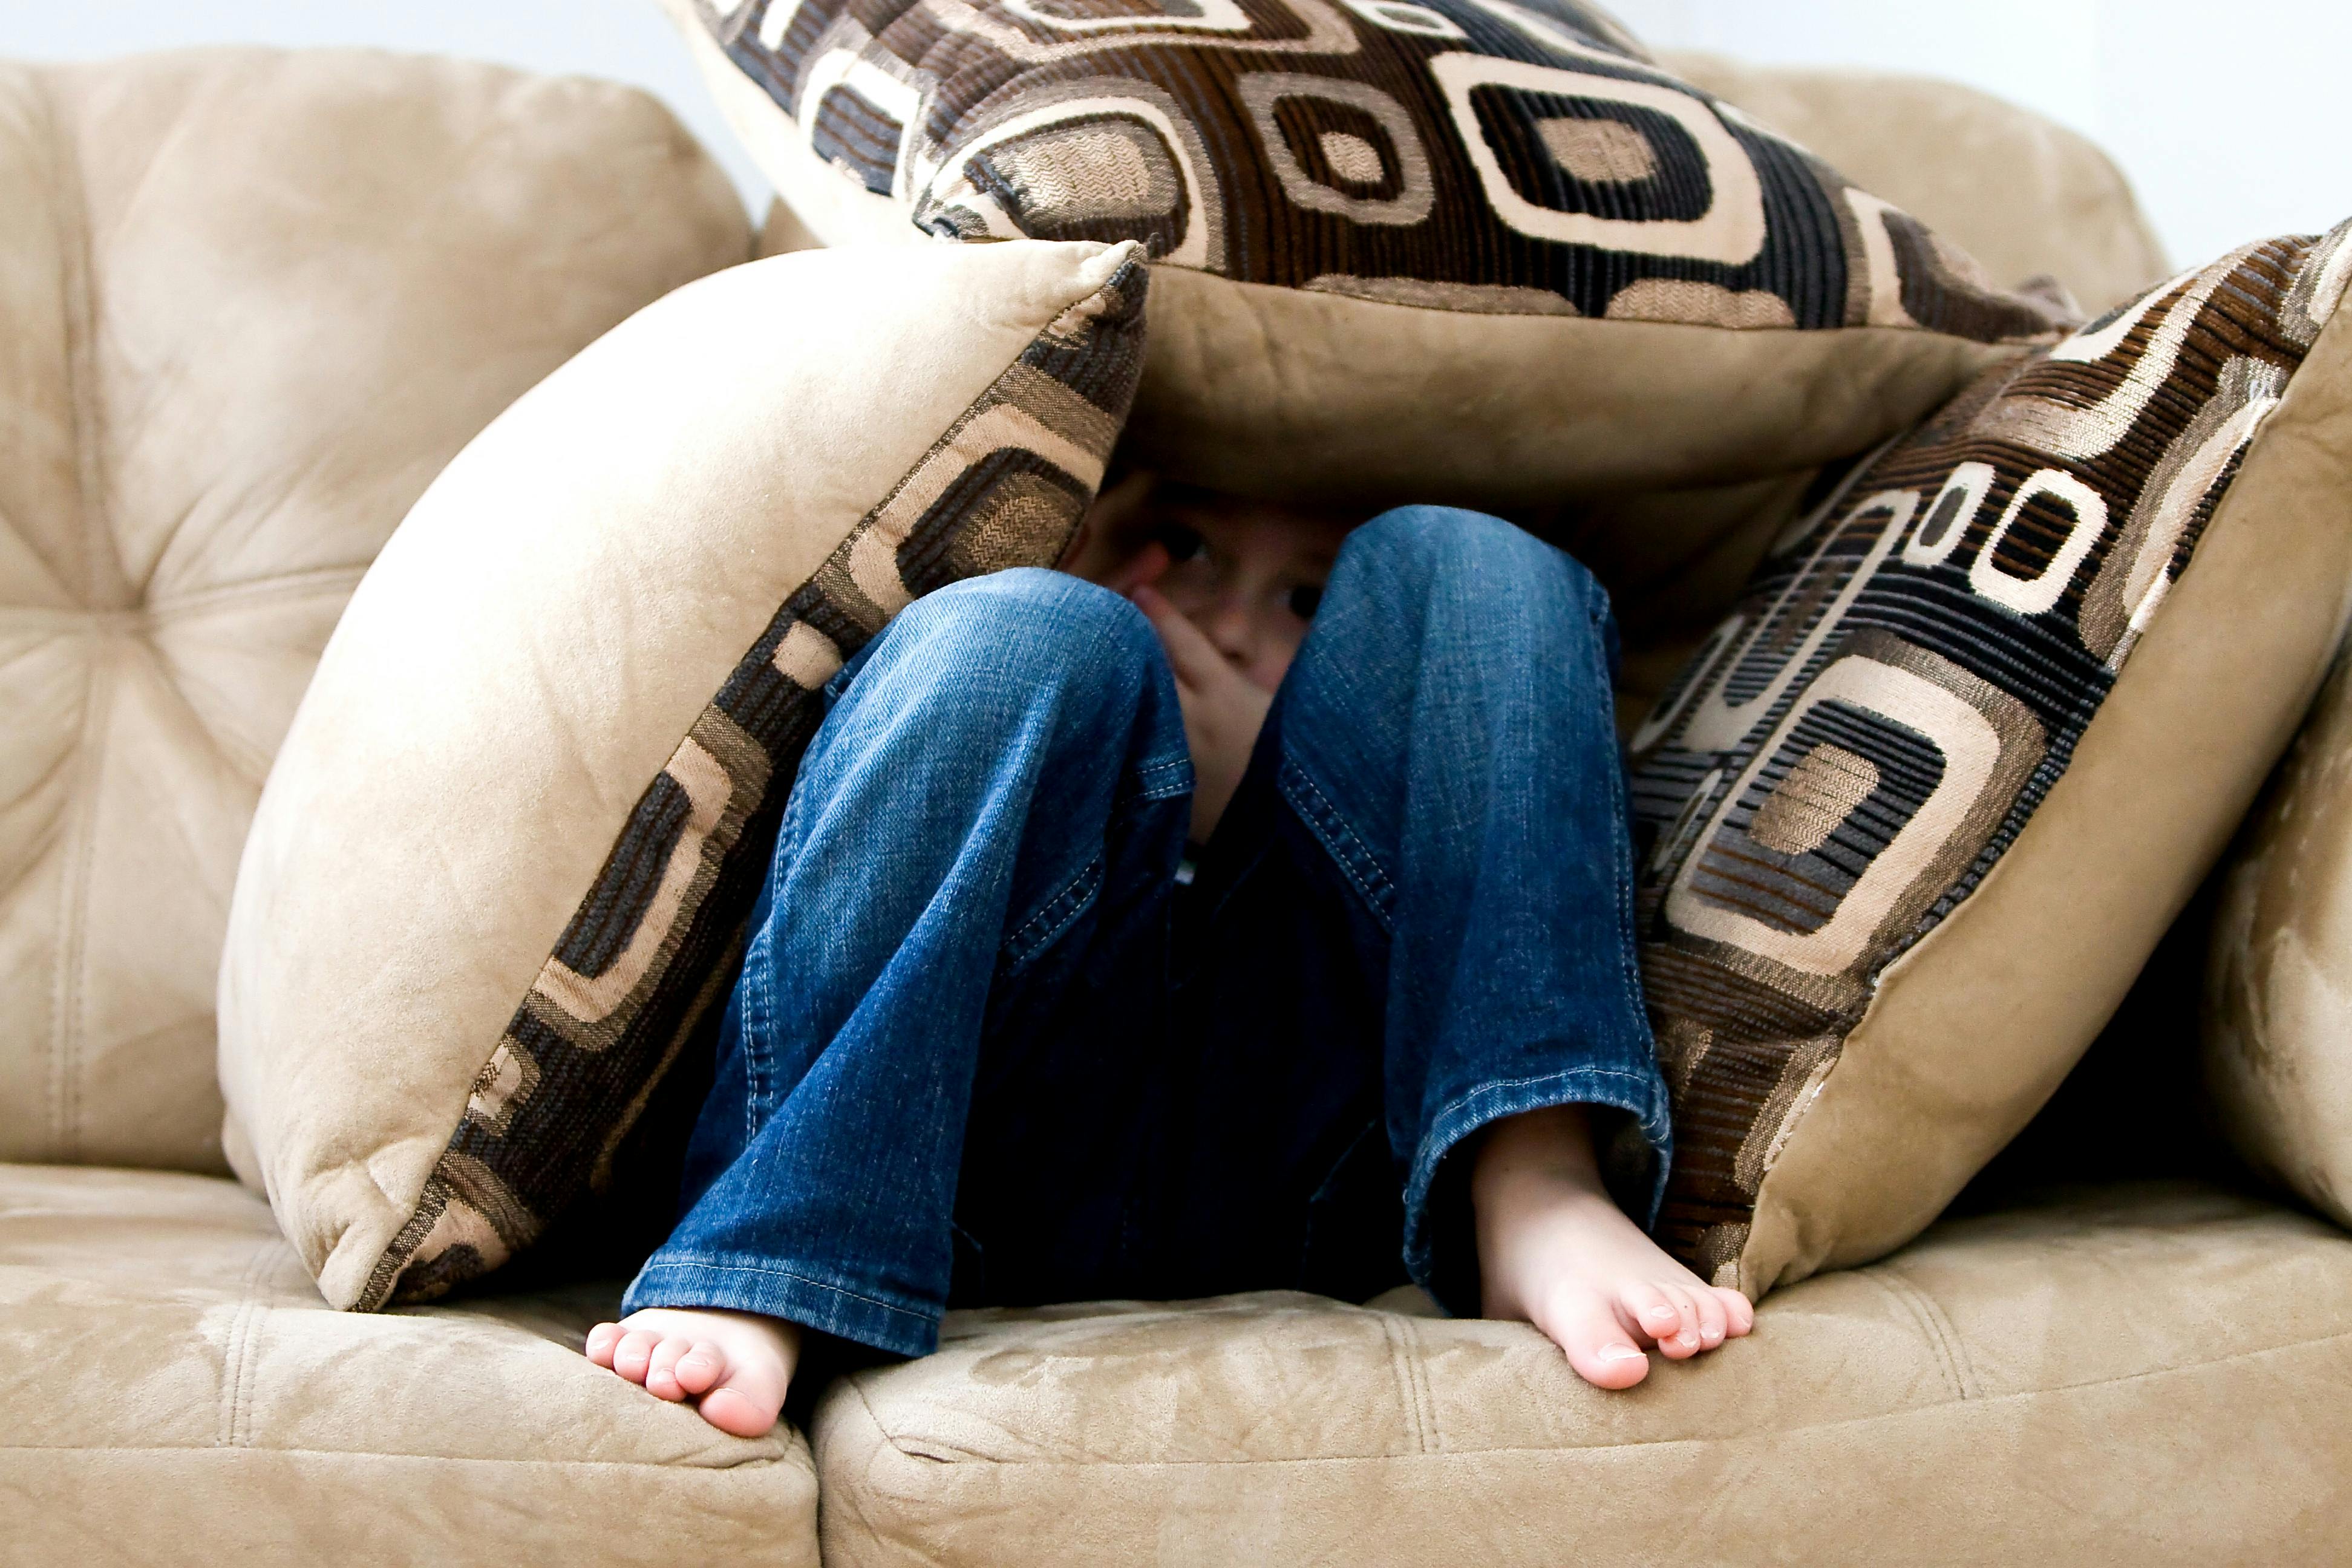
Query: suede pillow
[[1920, 808], [2277, 1037], [1466, 249], [522, 813]]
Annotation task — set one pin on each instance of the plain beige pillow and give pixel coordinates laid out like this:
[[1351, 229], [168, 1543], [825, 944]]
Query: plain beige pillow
[[2277, 1038], [521, 814]]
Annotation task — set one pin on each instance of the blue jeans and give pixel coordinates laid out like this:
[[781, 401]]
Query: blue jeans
[[986, 1049]]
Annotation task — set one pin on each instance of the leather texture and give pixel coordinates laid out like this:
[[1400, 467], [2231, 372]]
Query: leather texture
[[250, 303], [177, 1393], [2136, 1376]]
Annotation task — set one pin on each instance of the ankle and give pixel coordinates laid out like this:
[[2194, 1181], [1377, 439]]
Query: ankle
[[1544, 1155]]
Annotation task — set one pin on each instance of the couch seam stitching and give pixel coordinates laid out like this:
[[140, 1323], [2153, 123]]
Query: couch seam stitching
[[2297, 1348], [78, 314], [1931, 1312], [1408, 1392], [1433, 1435], [233, 1412], [1929, 1328], [154, 614], [73, 910]]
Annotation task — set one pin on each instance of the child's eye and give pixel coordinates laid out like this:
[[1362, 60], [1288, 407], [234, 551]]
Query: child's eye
[[1180, 543], [1306, 599]]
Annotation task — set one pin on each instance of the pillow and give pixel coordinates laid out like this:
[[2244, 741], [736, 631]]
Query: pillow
[[1472, 250], [1917, 812], [524, 808], [2277, 1036]]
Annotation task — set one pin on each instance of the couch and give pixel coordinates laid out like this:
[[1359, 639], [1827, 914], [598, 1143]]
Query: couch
[[249, 304]]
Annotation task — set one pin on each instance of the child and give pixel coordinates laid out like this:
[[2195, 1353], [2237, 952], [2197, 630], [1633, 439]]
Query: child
[[1001, 1036]]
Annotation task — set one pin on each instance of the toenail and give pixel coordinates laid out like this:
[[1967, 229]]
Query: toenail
[[1617, 1352], [1687, 1338]]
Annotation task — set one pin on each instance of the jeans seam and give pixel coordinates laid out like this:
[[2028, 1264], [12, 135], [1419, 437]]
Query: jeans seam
[[1144, 790], [1079, 892], [1424, 1165], [690, 1262], [1338, 839], [1620, 848]]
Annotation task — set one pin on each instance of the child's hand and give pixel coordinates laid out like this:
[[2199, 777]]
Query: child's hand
[[1224, 709]]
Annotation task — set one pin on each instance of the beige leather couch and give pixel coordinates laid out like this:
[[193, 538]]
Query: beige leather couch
[[249, 304]]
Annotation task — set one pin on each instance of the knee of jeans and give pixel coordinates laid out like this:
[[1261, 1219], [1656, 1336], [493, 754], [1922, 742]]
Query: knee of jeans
[[1032, 628], [1427, 543]]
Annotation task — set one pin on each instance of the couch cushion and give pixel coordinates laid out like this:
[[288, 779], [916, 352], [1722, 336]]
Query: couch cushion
[[177, 1391], [250, 303], [2143, 1376], [1479, 250]]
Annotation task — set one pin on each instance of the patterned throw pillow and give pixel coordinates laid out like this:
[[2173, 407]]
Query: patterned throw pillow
[[1478, 249], [1916, 815], [527, 800]]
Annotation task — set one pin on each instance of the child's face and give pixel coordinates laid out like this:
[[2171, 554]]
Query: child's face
[[1248, 573]]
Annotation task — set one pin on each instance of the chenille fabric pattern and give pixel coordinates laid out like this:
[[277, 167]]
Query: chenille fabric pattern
[[1852, 751], [647, 951], [1482, 156]]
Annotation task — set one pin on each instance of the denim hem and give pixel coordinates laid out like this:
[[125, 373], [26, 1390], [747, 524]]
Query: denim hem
[[796, 1298], [1639, 1095]]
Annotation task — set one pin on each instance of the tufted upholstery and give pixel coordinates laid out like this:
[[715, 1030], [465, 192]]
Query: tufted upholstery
[[250, 303]]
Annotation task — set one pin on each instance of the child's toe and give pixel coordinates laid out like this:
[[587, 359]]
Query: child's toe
[[661, 1368], [1683, 1341], [1649, 1309], [601, 1340], [633, 1352], [700, 1368], [1712, 1319], [747, 1404], [1739, 1313], [1597, 1345]]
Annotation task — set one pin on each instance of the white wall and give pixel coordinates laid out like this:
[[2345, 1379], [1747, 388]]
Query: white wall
[[630, 40], [2226, 115]]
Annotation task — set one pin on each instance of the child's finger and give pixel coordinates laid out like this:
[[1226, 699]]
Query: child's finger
[[1196, 659], [1142, 569]]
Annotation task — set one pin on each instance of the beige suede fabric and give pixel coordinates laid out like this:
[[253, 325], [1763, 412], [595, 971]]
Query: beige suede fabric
[[250, 303], [2021, 194], [1291, 393], [517, 671], [2278, 1039], [177, 1393], [2137, 1376], [1973, 1028]]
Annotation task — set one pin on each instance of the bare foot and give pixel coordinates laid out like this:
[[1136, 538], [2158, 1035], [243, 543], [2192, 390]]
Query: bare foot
[[1554, 1250], [734, 1367]]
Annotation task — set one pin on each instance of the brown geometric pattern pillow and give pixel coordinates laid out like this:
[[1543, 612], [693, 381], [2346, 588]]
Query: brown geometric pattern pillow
[[1932, 702], [1462, 164], [336, 1070]]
